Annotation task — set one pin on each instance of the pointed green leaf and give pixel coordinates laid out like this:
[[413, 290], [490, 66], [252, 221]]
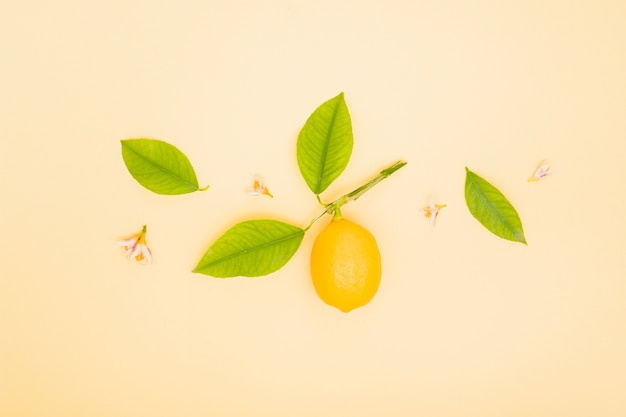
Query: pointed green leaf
[[325, 144], [491, 208], [251, 249], [159, 166]]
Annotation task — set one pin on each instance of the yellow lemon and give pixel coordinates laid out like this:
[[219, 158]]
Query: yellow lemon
[[345, 265]]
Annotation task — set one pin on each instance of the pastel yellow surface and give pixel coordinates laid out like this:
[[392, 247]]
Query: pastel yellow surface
[[464, 323]]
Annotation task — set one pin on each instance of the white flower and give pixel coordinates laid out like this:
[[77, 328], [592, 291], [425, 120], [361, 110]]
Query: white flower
[[258, 188], [431, 211], [542, 170], [136, 247]]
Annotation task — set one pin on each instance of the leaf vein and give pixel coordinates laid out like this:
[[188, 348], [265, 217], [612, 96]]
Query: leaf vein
[[163, 169]]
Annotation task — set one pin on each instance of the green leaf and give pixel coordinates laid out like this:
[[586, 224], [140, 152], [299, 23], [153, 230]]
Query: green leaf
[[159, 166], [491, 208], [251, 249], [325, 144]]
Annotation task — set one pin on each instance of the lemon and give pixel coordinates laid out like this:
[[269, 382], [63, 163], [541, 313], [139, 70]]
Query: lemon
[[345, 265]]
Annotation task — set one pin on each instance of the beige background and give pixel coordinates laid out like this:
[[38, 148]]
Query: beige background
[[464, 324]]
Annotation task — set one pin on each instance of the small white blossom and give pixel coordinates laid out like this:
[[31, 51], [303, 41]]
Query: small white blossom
[[542, 170], [136, 247], [258, 188], [431, 211]]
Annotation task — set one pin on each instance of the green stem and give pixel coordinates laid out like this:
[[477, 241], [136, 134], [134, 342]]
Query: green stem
[[335, 206], [383, 174], [142, 234], [337, 214]]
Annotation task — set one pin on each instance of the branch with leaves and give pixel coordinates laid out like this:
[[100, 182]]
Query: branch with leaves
[[324, 146], [259, 247]]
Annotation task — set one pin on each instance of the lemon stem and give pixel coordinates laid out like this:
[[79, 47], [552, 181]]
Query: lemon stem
[[337, 214], [335, 206]]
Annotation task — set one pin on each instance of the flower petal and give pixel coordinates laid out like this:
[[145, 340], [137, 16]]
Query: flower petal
[[147, 255], [136, 247], [258, 188], [128, 242], [541, 171], [433, 218], [136, 252], [431, 211]]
